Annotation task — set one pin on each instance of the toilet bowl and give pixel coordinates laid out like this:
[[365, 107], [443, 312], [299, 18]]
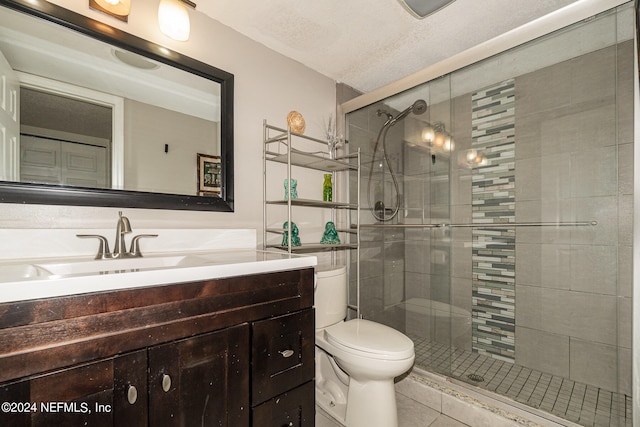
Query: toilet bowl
[[356, 360]]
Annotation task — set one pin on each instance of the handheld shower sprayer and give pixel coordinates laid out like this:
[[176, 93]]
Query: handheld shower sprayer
[[378, 210], [417, 108]]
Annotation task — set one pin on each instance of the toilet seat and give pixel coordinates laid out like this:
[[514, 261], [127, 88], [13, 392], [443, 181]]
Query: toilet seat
[[371, 339]]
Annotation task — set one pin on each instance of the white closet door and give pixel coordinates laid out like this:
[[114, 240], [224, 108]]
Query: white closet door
[[84, 165], [52, 161], [9, 122], [40, 160]]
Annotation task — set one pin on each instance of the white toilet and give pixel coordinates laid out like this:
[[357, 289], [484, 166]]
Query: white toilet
[[356, 360]]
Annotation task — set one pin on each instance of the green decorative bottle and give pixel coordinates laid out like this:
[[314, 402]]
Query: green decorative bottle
[[327, 188]]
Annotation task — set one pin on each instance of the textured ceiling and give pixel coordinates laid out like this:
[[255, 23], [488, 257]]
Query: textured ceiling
[[367, 44]]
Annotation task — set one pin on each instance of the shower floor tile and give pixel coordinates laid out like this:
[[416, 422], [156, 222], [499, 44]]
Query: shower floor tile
[[580, 403]]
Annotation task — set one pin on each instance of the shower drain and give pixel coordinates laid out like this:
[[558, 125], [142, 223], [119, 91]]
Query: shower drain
[[476, 378]]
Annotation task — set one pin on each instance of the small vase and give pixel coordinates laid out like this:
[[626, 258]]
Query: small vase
[[327, 188]]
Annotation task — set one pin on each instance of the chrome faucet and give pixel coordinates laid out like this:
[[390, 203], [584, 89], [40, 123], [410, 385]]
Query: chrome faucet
[[120, 249]]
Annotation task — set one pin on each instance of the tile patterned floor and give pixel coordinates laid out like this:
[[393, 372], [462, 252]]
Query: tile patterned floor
[[410, 414], [580, 403]]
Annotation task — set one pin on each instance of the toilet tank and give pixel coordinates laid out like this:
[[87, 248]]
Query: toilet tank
[[330, 296]]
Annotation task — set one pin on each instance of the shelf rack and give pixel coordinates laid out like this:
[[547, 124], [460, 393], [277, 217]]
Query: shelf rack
[[319, 160]]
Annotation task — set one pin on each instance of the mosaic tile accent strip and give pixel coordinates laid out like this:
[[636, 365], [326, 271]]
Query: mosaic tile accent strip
[[493, 201]]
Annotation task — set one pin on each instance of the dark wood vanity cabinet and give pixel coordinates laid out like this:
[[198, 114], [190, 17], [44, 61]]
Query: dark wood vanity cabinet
[[226, 352], [92, 394], [281, 380], [201, 380]]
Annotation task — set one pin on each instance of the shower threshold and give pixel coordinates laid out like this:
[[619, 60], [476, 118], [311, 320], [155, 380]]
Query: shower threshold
[[580, 403]]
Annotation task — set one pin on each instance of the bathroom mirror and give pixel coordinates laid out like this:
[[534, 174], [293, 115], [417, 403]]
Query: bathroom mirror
[[160, 113]]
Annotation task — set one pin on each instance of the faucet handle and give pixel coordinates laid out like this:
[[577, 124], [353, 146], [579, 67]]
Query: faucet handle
[[123, 223], [135, 244], [103, 248]]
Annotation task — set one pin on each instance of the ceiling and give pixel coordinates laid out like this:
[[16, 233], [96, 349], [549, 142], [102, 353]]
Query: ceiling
[[367, 44]]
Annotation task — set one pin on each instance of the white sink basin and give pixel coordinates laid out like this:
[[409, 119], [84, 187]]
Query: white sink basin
[[110, 265], [21, 271]]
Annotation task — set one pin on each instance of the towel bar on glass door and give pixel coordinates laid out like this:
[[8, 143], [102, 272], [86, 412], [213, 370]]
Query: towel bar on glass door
[[486, 225]]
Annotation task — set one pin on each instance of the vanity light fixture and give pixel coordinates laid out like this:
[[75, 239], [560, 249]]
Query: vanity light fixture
[[116, 8], [437, 137], [474, 158], [173, 18]]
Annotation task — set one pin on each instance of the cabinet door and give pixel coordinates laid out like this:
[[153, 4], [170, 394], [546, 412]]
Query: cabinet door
[[282, 354], [95, 394], [203, 380], [295, 408]]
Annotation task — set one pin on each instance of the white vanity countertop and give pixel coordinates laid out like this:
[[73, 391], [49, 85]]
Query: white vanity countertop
[[48, 277]]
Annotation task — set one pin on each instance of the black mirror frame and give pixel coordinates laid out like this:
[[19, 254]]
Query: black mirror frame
[[44, 194]]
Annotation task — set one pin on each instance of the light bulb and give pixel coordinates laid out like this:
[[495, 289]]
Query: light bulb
[[428, 134], [117, 8], [449, 145], [471, 155], [173, 18], [439, 139], [480, 160]]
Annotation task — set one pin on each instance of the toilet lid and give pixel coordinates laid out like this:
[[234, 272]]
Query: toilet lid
[[370, 337]]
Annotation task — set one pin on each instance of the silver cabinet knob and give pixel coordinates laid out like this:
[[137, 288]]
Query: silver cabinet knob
[[286, 353], [166, 383], [132, 394]]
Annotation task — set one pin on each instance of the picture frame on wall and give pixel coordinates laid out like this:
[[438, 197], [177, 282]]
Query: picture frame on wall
[[209, 175]]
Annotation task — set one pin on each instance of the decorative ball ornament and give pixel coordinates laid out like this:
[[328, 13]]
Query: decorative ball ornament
[[296, 122]]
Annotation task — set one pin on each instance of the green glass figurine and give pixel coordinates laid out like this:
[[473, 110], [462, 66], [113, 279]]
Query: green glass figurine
[[295, 240], [294, 189], [330, 236]]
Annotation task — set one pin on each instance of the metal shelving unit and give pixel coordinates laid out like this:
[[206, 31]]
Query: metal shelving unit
[[278, 147]]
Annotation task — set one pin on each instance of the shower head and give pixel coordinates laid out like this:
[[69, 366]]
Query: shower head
[[418, 107]]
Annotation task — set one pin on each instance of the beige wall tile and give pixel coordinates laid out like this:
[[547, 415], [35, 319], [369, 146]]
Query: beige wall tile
[[582, 315], [625, 321], [593, 76], [542, 351], [624, 96], [528, 179], [625, 371], [545, 265], [625, 169], [593, 269], [594, 172], [594, 363]]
